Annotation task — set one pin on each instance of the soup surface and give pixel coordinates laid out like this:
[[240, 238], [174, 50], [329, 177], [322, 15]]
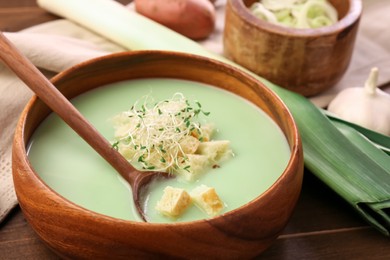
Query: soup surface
[[70, 167]]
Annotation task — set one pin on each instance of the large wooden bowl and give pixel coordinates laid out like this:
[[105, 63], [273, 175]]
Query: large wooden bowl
[[75, 232], [307, 61]]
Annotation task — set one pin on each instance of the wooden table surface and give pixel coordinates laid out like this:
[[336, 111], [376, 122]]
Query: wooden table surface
[[323, 226]]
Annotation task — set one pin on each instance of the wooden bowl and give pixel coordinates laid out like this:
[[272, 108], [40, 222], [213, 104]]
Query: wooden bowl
[[75, 232], [306, 61]]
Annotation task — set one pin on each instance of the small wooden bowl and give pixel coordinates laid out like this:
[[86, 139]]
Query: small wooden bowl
[[306, 61], [75, 232]]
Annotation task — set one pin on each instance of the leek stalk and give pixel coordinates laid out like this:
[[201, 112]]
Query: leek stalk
[[378, 209], [362, 181]]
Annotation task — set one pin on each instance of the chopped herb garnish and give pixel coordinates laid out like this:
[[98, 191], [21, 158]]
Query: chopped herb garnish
[[115, 145], [157, 128]]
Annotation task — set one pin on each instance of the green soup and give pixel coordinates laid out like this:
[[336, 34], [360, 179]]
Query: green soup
[[70, 167]]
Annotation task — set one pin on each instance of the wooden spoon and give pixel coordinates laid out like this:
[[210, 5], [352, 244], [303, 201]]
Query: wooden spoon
[[54, 99]]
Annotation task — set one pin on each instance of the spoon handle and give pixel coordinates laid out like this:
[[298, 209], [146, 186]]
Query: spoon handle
[[54, 99]]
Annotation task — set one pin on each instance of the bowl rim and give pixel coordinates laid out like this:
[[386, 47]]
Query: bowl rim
[[353, 15], [296, 153]]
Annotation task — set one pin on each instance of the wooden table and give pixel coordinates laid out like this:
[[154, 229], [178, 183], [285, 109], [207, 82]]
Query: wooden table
[[323, 226]]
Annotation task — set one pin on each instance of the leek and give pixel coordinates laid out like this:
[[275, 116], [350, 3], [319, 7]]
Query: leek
[[296, 14], [379, 140], [339, 163], [376, 211]]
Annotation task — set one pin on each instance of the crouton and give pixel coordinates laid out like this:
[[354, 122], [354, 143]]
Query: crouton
[[123, 125], [127, 151], [207, 199], [189, 144], [205, 132], [214, 150], [193, 167], [173, 202]]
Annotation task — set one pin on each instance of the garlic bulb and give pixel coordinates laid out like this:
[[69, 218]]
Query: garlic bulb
[[367, 106]]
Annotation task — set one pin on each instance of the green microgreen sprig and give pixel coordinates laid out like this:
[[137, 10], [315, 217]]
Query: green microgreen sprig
[[155, 131]]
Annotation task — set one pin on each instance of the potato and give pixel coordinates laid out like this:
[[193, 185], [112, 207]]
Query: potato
[[192, 18]]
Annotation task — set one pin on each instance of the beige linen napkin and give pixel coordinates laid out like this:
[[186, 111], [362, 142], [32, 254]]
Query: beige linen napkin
[[57, 45]]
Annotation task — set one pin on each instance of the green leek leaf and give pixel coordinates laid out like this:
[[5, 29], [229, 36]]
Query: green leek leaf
[[375, 212], [380, 140]]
